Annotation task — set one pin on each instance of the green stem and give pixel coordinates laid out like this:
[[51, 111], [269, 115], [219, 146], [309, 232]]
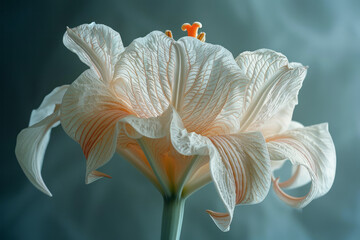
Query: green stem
[[172, 218]]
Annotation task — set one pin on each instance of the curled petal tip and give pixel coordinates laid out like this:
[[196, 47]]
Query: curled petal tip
[[311, 148], [92, 176], [31, 142], [39, 184], [46, 191], [222, 220], [295, 202], [100, 174], [276, 180]]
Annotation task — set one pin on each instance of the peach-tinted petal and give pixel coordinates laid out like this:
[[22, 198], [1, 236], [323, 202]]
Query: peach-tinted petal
[[313, 149], [99, 106], [157, 159], [131, 151], [31, 142], [199, 177], [239, 166], [299, 174], [97, 45], [187, 143], [201, 81], [271, 93], [208, 92], [152, 127], [145, 74], [93, 115], [241, 172], [90, 114], [171, 167]]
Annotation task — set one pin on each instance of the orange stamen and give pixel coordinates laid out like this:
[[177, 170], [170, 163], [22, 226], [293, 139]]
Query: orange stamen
[[201, 37], [168, 33], [192, 29]]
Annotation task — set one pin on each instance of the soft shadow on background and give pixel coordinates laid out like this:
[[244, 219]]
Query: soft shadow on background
[[325, 35]]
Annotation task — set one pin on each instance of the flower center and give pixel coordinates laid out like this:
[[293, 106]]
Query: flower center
[[192, 31]]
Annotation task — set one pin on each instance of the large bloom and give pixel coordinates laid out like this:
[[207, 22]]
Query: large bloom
[[184, 113]]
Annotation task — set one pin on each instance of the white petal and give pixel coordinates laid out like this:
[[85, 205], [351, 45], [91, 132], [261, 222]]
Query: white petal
[[31, 142], [48, 105], [239, 165], [208, 92], [187, 143], [294, 125], [145, 74], [241, 172], [93, 115], [97, 45], [199, 178], [153, 127], [271, 93], [299, 174], [312, 148], [200, 80], [90, 114], [133, 102], [132, 152]]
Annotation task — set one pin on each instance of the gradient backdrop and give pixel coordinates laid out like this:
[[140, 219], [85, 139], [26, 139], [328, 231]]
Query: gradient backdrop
[[325, 35]]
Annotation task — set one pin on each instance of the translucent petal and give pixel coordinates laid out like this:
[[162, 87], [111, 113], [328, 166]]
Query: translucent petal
[[241, 172], [271, 94], [312, 148], [31, 142], [239, 165], [93, 115], [208, 93], [145, 74], [48, 105], [97, 45], [90, 114]]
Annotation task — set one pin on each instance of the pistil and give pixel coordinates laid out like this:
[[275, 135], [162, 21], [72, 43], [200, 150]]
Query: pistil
[[192, 31]]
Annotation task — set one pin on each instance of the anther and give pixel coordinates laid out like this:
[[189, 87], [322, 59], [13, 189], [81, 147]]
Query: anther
[[201, 37], [168, 33]]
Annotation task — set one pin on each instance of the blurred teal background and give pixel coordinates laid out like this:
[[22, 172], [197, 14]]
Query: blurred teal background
[[325, 35]]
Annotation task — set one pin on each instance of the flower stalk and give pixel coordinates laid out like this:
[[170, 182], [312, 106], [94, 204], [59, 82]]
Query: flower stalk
[[172, 218]]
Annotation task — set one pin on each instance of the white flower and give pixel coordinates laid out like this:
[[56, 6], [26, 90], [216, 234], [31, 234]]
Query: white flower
[[184, 113]]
